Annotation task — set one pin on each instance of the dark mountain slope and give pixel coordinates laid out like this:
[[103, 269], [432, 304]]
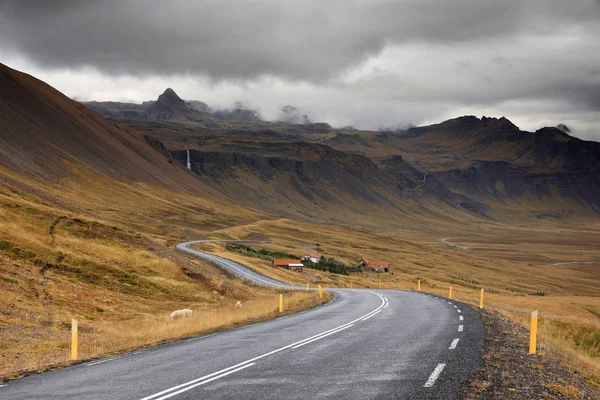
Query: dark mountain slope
[[45, 135]]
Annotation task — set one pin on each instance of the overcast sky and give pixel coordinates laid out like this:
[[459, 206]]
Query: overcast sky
[[366, 63]]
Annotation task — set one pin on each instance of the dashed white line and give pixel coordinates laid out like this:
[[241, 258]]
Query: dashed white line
[[453, 344], [434, 375], [449, 302], [3, 385], [460, 328], [460, 317], [459, 311], [455, 306]]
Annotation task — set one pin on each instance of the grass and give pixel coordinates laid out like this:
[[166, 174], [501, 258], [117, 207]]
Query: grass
[[120, 286], [108, 273]]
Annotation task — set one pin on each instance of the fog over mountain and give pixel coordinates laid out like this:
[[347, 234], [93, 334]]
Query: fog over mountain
[[369, 64]]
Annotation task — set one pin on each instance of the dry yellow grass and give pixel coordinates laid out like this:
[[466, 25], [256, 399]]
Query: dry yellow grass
[[102, 338], [516, 281], [117, 284], [512, 263]]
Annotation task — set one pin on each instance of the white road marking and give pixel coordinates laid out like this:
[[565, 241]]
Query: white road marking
[[372, 315], [322, 336], [460, 328], [449, 302], [205, 382], [460, 317], [137, 352], [287, 316], [154, 396], [387, 304], [102, 361], [455, 306], [459, 311], [201, 337], [3, 385], [434, 375], [453, 345]]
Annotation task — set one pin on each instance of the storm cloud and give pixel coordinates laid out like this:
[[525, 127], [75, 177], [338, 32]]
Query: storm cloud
[[417, 59]]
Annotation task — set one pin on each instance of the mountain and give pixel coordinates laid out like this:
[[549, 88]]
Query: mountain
[[492, 161], [169, 107]]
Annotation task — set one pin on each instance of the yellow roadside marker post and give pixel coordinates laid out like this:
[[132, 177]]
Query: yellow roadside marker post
[[450, 293], [74, 331], [419, 285], [533, 333], [280, 303], [307, 286], [320, 291], [292, 286], [379, 283], [481, 299], [350, 284]]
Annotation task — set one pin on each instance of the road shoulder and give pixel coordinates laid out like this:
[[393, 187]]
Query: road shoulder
[[509, 372]]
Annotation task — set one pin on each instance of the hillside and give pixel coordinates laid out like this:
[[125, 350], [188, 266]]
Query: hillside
[[91, 209], [87, 210]]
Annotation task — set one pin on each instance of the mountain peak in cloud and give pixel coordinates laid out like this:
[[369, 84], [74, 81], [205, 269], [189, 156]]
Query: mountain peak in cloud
[[563, 128], [171, 98]]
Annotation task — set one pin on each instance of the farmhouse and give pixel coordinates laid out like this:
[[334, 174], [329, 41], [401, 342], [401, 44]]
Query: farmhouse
[[377, 266], [314, 258], [292, 265]]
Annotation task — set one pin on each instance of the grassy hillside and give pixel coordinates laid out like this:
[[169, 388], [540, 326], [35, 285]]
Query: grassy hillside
[[90, 212]]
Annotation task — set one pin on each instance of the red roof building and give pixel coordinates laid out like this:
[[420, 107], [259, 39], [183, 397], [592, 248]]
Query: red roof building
[[378, 266]]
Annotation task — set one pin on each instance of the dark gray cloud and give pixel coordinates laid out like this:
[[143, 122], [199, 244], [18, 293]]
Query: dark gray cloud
[[312, 40], [367, 63]]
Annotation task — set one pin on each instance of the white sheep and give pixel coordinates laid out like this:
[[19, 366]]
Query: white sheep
[[186, 312], [238, 305]]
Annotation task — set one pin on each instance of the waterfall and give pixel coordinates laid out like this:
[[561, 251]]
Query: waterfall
[[189, 164]]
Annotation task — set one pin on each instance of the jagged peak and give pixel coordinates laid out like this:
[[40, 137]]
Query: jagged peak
[[170, 97]]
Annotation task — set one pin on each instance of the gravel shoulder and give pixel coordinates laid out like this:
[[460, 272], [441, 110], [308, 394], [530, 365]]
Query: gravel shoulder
[[509, 372]]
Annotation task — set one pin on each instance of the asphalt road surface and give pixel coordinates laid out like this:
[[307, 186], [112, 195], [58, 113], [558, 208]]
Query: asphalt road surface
[[364, 344]]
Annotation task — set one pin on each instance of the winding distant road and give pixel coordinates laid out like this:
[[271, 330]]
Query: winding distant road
[[531, 251], [364, 344]]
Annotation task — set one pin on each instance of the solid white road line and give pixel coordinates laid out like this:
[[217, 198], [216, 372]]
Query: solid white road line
[[321, 337], [460, 317], [201, 337], [205, 382], [154, 396], [453, 345], [460, 328], [372, 315], [102, 361], [434, 375], [386, 305]]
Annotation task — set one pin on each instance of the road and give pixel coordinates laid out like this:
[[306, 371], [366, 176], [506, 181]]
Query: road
[[529, 251], [364, 344]]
